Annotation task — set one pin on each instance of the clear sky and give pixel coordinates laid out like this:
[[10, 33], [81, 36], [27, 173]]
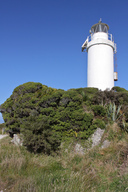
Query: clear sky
[[40, 41]]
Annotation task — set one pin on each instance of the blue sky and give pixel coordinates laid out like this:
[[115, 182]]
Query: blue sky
[[40, 41]]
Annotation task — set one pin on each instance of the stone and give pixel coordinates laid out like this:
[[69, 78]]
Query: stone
[[17, 140], [96, 137], [79, 149], [2, 136], [105, 144], [93, 141]]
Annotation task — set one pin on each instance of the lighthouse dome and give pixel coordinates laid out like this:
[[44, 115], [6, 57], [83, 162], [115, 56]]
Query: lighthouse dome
[[100, 27]]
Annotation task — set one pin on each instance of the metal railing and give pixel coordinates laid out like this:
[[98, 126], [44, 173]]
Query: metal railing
[[90, 38], [110, 37]]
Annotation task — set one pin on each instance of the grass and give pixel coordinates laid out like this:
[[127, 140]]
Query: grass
[[99, 170], [2, 125]]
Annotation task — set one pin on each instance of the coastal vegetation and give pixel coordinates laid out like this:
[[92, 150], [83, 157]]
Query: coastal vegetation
[[97, 170], [51, 122], [45, 116]]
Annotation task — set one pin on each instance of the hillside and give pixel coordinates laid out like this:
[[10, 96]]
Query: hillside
[[97, 170], [47, 116], [51, 122]]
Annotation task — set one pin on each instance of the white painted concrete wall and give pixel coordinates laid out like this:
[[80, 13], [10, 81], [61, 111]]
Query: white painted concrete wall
[[100, 62]]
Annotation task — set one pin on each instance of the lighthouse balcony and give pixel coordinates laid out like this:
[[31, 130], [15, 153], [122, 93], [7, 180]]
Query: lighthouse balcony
[[99, 37]]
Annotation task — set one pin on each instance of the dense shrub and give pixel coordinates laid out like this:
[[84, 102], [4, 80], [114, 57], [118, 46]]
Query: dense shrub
[[38, 135], [46, 116], [87, 93], [119, 89], [99, 110], [99, 123]]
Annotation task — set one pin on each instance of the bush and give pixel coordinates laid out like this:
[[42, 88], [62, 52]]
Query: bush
[[119, 89], [45, 116], [99, 110], [38, 136], [99, 123]]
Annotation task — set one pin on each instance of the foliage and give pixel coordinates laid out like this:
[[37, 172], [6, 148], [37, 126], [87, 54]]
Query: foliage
[[105, 97], [114, 112], [99, 123], [124, 126], [119, 89], [38, 136], [87, 93], [99, 110], [47, 116]]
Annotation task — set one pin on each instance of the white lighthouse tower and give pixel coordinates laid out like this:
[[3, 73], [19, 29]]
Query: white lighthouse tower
[[100, 47]]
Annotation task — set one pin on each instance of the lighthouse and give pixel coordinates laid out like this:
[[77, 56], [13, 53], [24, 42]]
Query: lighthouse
[[100, 48]]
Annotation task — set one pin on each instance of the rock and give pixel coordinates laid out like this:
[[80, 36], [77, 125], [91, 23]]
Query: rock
[[2, 136], [79, 149], [17, 140], [96, 137], [105, 144], [91, 142]]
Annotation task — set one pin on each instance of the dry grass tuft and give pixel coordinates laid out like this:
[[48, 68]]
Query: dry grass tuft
[[13, 162], [27, 185], [115, 127]]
